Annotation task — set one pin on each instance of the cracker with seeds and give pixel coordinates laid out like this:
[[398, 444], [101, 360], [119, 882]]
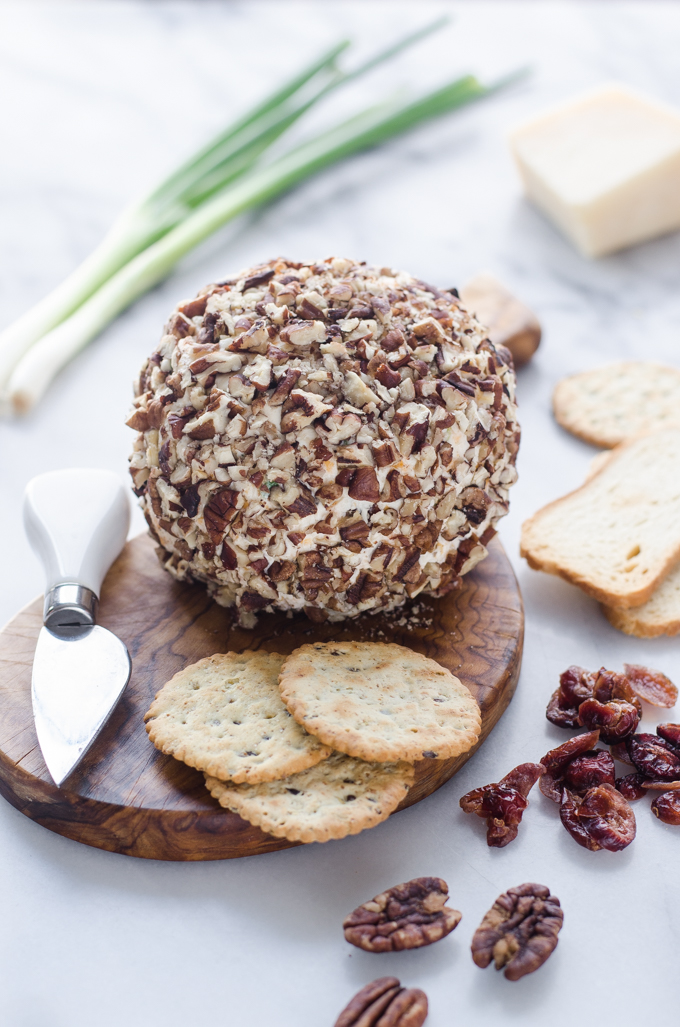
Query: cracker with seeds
[[379, 701], [608, 405], [339, 796], [224, 715]]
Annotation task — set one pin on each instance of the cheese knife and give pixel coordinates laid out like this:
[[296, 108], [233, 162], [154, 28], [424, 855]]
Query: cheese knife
[[77, 521]]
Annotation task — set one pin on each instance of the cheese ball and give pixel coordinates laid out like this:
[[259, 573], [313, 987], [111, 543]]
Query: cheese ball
[[327, 437]]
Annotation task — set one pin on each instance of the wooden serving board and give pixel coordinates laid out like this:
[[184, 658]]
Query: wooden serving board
[[127, 797]]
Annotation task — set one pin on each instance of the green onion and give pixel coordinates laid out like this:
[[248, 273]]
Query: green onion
[[221, 182]]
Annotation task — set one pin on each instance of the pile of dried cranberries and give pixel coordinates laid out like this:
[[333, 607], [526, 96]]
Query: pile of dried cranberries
[[594, 804]]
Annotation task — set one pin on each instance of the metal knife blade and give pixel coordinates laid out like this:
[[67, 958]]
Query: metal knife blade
[[76, 683], [76, 521]]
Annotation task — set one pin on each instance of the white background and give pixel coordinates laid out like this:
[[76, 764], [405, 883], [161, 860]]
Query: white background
[[99, 98]]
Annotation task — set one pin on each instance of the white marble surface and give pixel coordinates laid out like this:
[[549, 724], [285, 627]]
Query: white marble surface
[[100, 96]]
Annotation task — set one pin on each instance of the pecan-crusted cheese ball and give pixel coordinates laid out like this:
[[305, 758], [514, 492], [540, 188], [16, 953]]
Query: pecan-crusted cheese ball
[[324, 437]]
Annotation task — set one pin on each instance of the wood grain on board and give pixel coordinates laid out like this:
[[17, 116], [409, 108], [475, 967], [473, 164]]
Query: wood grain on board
[[127, 797]]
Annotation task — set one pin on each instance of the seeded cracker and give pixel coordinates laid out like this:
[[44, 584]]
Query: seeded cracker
[[610, 404], [224, 715], [327, 437], [379, 701], [338, 797]]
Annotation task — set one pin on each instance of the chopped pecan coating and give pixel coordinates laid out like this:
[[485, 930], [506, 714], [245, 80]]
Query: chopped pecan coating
[[651, 685], [654, 757], [384, 1003], [667, 808], [616, 719], [299, 388], [407, 916], [519, 932], [670, 733], [503, 803], [630, 786], [602, 819]]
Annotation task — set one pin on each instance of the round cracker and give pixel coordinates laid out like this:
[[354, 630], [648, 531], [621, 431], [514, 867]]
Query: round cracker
[[224, 715], [379, 701], [338, 797], [610, 404]]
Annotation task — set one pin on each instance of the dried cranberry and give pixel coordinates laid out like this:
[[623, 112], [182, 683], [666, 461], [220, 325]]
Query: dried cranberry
[[620, 753], [670, 733], [576, 685], [503, 803], [610, 685], [603, 819], [560, 715], [651, 685], [660, 786], [616, 719], [667, 808], [630, 786], [557, 760], [523, 777], [592, 768], [654, 757]]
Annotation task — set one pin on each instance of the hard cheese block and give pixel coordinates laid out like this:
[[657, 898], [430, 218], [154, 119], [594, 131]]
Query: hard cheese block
[[604, 167]]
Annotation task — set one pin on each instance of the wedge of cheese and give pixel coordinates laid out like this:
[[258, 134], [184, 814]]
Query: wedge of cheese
[[605, 168]]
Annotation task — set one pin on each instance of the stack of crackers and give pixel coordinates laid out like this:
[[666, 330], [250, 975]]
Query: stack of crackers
[[319, 744], [618, 536]]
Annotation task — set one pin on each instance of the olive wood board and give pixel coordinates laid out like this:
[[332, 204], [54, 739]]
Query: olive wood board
[[127, 797]]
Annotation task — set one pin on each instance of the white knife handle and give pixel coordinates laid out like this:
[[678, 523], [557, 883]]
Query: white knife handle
[[77, 521]]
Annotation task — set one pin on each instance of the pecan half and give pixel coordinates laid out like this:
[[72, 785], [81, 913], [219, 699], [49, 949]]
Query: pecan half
[[384, 1003], [407, 916], [519, 932]]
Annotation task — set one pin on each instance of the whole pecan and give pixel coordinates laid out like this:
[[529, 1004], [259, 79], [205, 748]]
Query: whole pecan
[[602, 819], [503, 803], [384, 1003], [407, 916], [519, 932]]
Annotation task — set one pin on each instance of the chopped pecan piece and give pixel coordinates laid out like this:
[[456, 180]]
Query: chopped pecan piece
[[602, 819], [667, 808], [384, 1003], [519, 932], [502, 804], [407, 916]]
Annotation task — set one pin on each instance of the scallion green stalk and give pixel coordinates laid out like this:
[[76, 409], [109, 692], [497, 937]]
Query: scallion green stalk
[[226, 158], [46, 357]]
